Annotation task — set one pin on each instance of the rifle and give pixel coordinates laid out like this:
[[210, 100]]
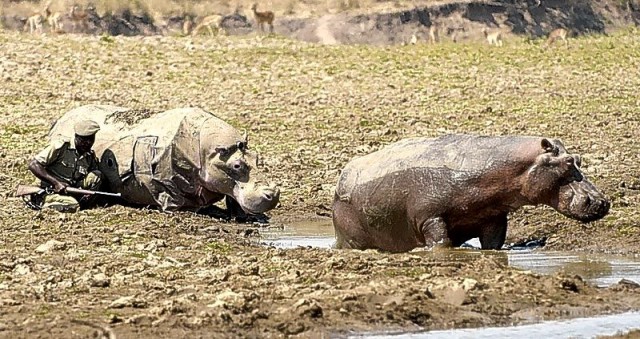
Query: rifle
[[23, 190]]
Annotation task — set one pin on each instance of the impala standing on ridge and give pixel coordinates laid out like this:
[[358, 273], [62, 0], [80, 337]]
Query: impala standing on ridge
[[493, 38], [209, 22], [557, 34], [263, 17], [433, 34], [79, 17], [34, 22]]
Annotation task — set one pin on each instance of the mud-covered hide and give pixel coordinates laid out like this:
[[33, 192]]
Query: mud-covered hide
[[424, 191], [158, 159]]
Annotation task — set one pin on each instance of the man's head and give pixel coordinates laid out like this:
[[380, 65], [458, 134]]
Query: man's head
[[85, 131]]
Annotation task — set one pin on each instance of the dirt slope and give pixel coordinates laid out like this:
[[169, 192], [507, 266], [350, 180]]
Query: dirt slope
[[456, 21]]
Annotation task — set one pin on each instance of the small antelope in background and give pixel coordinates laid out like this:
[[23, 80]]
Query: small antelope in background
[[34, 22], [557, 34], [433, 34], [209, 22], [79, 17], [414, 38], [263, 17], [187, 26], [53, 19], [493, 38]]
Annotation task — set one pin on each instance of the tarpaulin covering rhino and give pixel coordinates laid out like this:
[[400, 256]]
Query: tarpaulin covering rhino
[[184, 158]]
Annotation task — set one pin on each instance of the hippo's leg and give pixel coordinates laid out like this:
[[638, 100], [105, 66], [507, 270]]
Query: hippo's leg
[[350, 232], [435, 233], [493, 232]]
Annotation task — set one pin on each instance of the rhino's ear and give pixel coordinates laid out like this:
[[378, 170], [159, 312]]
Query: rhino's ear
[[223, 151], [547, 146]]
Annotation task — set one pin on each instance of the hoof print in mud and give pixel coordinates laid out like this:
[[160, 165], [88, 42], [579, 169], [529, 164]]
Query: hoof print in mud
[[422, 192], [184, 158]]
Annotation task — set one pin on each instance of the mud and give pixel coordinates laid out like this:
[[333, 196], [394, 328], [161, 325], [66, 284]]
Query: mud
[[165, 277], [308, 109]]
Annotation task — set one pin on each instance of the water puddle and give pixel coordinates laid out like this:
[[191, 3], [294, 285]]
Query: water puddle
[[573, 328], [600, 269], [315, 233]]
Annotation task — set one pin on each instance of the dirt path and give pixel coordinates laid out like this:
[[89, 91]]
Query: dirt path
[[323, 32]]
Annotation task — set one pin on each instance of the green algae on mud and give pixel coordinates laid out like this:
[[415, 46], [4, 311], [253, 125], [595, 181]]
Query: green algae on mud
[[308, 109]]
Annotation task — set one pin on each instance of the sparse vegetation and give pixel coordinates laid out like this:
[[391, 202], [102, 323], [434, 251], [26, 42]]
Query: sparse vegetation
[[308, 109]]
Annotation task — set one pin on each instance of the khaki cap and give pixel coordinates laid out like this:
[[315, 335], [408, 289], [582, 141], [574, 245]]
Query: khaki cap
[[86, 128]]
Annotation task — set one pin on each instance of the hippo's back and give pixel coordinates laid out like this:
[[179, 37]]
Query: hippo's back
[[457, 152]]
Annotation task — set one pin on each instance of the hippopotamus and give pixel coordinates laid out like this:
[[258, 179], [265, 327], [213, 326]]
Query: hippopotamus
[[443, 191], [180, 159]]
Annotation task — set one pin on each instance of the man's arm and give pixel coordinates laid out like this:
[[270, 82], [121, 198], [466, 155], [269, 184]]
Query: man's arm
[[42, 173], [46, 157]]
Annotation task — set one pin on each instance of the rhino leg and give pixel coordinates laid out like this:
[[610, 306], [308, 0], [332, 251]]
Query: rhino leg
[[234, 210], [493, 232], [435, 233]]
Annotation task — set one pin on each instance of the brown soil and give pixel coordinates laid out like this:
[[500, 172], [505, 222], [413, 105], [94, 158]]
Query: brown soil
[[309, 110], [180, 274]]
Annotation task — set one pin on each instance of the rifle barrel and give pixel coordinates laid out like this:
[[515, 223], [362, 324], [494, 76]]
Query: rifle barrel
[[83, 191]]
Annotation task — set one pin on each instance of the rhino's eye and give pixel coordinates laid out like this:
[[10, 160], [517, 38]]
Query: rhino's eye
[[241, 146]]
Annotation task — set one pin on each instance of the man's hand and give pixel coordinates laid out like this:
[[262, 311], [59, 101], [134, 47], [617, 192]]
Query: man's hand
[[60, 187]]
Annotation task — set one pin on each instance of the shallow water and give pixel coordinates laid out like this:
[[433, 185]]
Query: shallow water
[[573, 328], [600, 269]]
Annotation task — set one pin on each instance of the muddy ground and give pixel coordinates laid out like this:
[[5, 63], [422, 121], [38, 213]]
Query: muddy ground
[[308, 110]]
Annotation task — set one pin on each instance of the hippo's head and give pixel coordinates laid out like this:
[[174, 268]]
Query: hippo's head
[[555, 179], [230, 168]]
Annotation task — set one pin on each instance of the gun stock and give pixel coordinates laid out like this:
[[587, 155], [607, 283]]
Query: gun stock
[[22, 190]]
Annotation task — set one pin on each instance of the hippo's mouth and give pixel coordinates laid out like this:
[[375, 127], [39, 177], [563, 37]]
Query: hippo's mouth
[[582, 201]]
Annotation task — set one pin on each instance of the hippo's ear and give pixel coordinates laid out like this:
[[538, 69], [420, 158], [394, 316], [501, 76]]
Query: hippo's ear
[[547, 146]]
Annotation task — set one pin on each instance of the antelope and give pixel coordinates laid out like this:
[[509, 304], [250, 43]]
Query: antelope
[[34, 23], [263, 17], [78, 16], [187, 26], [53, 19], [558, 33], [433, 34], [494, 38], [414, 39], [210, 21]]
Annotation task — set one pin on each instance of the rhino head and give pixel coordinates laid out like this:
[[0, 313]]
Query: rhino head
[[229, 167]]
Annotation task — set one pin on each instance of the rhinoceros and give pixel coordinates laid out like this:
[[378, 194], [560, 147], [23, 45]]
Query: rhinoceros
[[424, 191], [184, 158]]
